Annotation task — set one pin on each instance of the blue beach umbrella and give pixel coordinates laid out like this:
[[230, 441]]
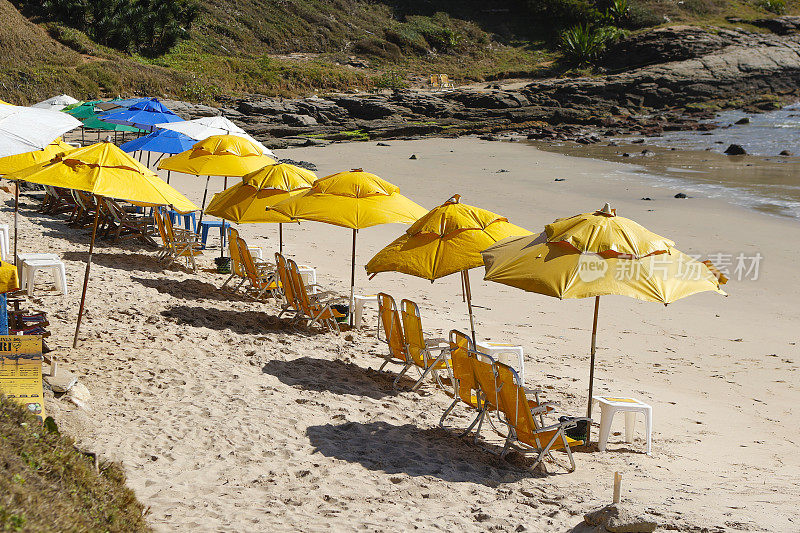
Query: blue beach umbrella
[[144, 115], [163, 141]]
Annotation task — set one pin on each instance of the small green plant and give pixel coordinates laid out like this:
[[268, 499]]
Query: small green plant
[[773, 6], [617, 12], [583, 44], [389, 80]]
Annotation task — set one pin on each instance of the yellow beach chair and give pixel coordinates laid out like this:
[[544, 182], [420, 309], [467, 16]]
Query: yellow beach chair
[[395, 339], [525, 433], [315, 311], [237, 269], [177, 244], [420, 351], [462, 378], [261, 276]]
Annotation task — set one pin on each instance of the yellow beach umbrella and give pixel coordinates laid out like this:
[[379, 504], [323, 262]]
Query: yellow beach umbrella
[[13, 163], [218, 155], [104, 170], [9, 279], [3, 102], [356, 200], [552, 264], [447, 239], [247, 202]]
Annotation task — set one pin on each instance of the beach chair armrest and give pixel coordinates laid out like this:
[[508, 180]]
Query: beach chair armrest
[[543, 407], [436, 342], [530, 390]]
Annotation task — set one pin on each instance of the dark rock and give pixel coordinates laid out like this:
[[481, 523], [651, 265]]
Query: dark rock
[[413, 156], [735, 149], [303, 164], [626, 154], [780, 25], [647, 198], [648, 153], [189, 111], [293, 119], [382, 144], [786, 153], [267, 107], [743, 120], [560, 179], [681, 195], [370, 107], [501, 171]]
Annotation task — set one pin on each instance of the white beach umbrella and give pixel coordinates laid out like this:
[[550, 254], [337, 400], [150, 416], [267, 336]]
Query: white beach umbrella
[[25, 129], [56, 103], [203, 128]]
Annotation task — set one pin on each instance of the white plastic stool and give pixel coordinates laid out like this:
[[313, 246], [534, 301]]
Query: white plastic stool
[[309, 276], [5, 242], [32, 266], [358, 302], [609, 406], [507, 353], [29, 256]]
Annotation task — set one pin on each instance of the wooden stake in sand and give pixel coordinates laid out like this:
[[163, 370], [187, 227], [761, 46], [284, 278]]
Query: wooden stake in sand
[[617, 486]]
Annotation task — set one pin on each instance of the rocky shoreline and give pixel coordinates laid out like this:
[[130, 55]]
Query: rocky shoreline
[[665, 80]]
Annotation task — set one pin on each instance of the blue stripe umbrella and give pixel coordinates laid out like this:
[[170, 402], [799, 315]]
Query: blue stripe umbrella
[[144, 115]]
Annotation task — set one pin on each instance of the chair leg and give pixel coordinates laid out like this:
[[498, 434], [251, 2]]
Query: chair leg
[[400, 375], [447, 412]]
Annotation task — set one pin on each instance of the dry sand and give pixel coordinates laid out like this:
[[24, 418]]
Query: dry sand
[[225, 418]]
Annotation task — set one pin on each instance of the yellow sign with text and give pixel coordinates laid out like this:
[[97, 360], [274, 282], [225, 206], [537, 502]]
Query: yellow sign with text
[[21, 371]]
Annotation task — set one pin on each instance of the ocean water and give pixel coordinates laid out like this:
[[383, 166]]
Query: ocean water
[[694, 163], [767, 134]]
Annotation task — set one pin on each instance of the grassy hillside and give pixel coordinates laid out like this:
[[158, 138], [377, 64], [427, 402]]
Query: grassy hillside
[[291, 47], [48, 485]]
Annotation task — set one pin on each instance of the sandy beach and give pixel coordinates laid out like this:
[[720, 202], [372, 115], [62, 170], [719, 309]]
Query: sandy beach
[[228, 419]]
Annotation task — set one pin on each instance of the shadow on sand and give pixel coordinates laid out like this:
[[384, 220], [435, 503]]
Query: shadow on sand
[[191, 289], [242, 322], [334, 376], [129, 262], [408, 449]]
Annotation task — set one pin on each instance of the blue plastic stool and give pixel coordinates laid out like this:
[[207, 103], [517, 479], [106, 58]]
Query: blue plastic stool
[[208, 224], [173, 215], [3, 314]]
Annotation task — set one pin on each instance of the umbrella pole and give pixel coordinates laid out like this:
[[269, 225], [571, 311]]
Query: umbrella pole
[[280, 237], [591, 366], [225, 186], [465, 280], [352, 277], [463, 290], [203, 208], [16, 217], [83, 141], [148, 159], [168, 172], [86, 277]]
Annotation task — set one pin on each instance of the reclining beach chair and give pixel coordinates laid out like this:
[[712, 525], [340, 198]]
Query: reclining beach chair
[[395, 339], [126, 226], [462, 378], [85, 207], [237, 269], [420, 351], [314, 310], [177, 244], [290, 303], [261, 277], [526, 434], [444, 82]]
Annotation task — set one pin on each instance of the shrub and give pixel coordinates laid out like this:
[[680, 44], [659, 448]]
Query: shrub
[[376, 47], [583, 44], [557, 14], [640, 16], [773, 6], [150, 27]]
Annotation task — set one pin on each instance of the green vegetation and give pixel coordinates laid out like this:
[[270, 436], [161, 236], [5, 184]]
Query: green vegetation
[[46, 484], [146, 26], [582, 44], [297, 47]]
